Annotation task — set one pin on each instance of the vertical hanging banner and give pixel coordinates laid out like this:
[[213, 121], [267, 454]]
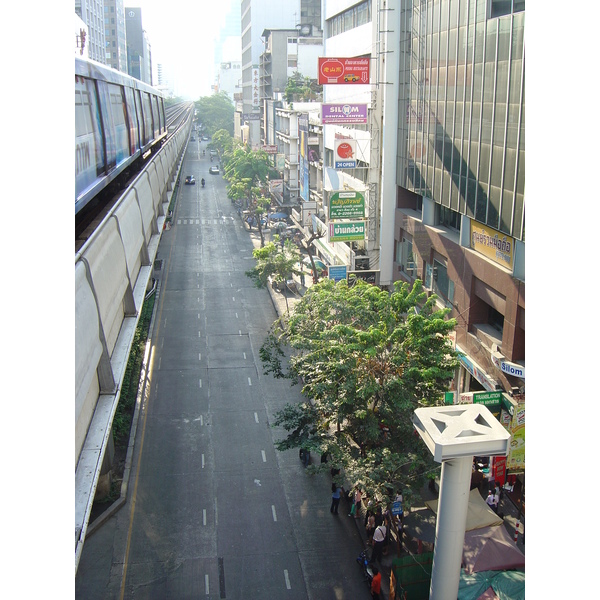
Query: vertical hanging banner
[[303, 162], [255, 86], [344, 154], [344, 70]]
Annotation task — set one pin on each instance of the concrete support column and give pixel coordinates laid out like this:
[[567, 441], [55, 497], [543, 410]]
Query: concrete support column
[[450, 528]]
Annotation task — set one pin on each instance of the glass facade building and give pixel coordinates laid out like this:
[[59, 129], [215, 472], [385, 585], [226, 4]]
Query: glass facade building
[[461, 139]]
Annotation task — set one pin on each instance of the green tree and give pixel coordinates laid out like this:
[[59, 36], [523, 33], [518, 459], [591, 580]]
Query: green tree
[[302, 88], [215, 112], [366, 359], [275, 265], [247, 172], [222, 142]]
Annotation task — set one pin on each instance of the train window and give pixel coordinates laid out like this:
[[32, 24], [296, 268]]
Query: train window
[[89, 147], [134, 140], [147, 112], [117, 108]]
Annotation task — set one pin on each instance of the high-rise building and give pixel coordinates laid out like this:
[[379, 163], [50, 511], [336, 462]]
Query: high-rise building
[[114, 31], [91, 13], [460, 204], [139, 56], [256, 16]]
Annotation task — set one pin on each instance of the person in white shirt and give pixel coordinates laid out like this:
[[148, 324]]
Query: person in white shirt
[[378, 541], [491, 501]]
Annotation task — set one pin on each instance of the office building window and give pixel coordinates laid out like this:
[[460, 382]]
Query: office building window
[[499, 8], [406, 258]]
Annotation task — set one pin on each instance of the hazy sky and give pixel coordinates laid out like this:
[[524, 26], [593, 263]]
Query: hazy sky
[[182, 36]]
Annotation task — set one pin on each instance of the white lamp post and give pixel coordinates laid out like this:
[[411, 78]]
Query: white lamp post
[[454, 434]]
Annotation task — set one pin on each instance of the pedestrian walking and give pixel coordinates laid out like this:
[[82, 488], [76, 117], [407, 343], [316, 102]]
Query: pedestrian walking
[[356, 506], [491, 501], [370, 526], [336, 494], [497, 497], [378, 542], [376, 584]]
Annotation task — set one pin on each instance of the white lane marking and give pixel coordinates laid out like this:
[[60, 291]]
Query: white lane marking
[[199, 356], [244, 356], [159, 361], [236, 316], [200, 382], [274, 513], [203, 461], [256, 417], [288, 585], [206, 586], [216, 513], [204, 516], [249, 381], [264, 456]]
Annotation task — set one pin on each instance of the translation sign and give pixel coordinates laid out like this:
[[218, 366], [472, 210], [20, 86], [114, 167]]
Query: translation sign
[[343, 113], [344, 70], [347, 205]]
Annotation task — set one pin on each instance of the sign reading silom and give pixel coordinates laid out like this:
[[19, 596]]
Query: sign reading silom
[[347, 205], [347, 231]]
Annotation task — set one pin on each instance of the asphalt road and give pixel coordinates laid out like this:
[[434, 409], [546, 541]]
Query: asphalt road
[[213, 510]]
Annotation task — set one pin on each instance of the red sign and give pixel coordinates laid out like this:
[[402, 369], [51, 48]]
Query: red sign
[[344, 70], [499, 469]]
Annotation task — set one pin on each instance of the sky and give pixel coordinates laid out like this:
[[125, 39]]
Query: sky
[[182, 35]]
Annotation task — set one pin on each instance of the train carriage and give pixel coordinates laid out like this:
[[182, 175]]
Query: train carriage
[[118, 120]]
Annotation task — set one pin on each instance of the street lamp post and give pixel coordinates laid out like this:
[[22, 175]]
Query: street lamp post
[[454, 434]]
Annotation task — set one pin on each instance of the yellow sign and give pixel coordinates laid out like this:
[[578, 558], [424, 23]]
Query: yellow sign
[[493, 244], [516, 456]]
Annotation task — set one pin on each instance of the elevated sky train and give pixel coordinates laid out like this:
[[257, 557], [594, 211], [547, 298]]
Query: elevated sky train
[[118, 120]]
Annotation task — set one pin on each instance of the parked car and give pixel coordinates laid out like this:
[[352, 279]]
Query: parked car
[[189, 180], [214, 170], [193, 139], [205, 138]]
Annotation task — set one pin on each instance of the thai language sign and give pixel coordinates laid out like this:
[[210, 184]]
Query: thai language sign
[[347, 231], [337, 272], [347, 205], [343, 113], [492, 244], [344, 70]]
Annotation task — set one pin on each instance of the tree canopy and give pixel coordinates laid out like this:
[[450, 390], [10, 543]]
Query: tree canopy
[[247, 172], [215, 112], [275, 264], [366, 359]]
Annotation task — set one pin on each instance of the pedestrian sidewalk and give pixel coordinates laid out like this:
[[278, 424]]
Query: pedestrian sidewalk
[[412, 543]]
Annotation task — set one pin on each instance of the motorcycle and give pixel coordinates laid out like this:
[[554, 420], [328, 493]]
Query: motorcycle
[[367, 571], [202, 182]]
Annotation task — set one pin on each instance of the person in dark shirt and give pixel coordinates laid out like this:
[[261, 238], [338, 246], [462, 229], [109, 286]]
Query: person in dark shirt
[[376, 584]]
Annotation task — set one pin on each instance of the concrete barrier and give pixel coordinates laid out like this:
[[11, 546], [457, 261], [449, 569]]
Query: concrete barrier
[[112, 272]]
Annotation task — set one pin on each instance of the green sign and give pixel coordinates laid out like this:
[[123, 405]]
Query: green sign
[[490, 399], [345, 232], [347, 205]]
